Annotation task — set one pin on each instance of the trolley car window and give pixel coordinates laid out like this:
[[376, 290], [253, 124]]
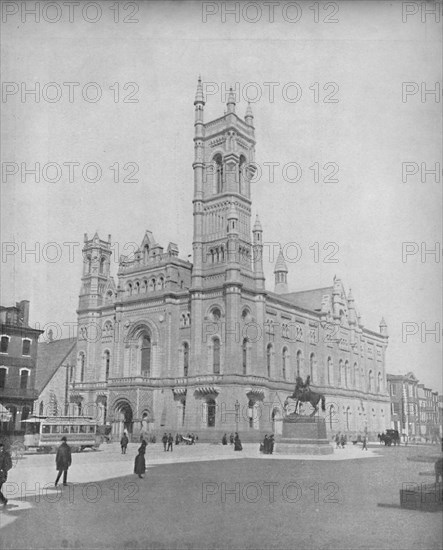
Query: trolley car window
[[92, 429], [46, 429], [74, 429], [65, 429], [55, 429]]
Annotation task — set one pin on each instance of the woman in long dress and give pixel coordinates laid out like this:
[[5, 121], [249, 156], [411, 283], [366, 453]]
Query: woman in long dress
[[237, 443], [140, 462]]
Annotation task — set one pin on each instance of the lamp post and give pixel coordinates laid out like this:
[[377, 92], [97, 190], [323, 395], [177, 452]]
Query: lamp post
[[237, 409]]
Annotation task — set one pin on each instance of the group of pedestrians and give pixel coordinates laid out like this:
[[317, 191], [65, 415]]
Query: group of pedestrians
[[340, 441], [267, 447], [168, 441], [233, 440]]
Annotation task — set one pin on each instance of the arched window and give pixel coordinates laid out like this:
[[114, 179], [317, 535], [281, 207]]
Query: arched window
[[340, 373], [129, 289], [137, 287], [312, 369], [107, 361], [299, 363], [330, 367], [219, 173], [146, 253], [216, 314], [371, 381], [102, 265], [185, 359], [268, 359], [41, 408], [81, 361], [211, 408], [88, 263], [379, 382], [24, 376], [241, 175], [245, 356], [346, 374], [216, 356], [284, 362], [151, 286], [145, 356], [356, 376]]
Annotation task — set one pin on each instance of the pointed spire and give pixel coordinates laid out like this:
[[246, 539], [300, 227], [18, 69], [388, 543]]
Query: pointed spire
[[350, 298], [383, 327], [231, 101], [257, 224], [280, 264], [199, 98], [249, 117]]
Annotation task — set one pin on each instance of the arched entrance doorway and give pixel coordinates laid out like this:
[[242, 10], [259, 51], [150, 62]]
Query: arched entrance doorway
[[123, 418]]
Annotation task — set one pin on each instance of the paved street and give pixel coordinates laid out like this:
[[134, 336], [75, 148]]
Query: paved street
[[208, 496]]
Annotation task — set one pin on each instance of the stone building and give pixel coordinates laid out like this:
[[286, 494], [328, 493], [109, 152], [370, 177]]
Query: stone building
[[18, 354], [205, 347], [403, 389]]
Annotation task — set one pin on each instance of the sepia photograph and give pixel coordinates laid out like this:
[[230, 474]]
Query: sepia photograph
[[221, 239]]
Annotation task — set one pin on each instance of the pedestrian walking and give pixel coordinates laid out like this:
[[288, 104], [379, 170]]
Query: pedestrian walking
[[237, 443], [337, 441], [5, 466], [365, 444], [266, 445], [177, 439], [63, 461], [124, 443], [231, 439], [140, 462], [271, 444], [170, 442], [164, 441], [224, 439]]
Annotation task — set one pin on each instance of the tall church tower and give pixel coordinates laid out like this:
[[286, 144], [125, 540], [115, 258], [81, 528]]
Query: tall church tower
[[224, 257], [95, 281], [224, 153]]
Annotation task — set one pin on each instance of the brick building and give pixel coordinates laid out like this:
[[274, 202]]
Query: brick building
[[18, 355]]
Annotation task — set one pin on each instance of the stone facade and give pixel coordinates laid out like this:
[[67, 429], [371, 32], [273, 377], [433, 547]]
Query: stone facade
[[204, 347]]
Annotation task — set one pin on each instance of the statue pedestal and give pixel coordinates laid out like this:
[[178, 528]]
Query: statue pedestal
[[303, 435]]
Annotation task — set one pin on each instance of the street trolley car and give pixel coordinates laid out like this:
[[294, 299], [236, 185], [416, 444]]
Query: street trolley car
[[44, 433]]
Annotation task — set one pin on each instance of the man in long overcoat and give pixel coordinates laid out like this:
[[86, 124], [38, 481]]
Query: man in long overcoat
[[63, 461]]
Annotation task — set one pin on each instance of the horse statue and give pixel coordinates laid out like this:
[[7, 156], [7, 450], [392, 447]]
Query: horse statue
[[304, 394]]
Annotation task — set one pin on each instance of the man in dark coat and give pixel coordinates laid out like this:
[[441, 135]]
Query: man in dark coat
[[5, 466], [164, 441], [63, 461], [266, 445], [170, 442], [124, 443], [224, 440], [237, 443], [271, 444]]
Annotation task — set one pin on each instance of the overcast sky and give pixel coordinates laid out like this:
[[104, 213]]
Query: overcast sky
[[337, 99]]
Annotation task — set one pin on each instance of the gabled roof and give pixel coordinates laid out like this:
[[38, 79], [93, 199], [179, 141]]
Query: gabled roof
[[309, 299], [50, 356]]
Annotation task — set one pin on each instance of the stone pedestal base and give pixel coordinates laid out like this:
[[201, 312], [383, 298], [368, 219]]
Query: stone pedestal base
[[303, 435]]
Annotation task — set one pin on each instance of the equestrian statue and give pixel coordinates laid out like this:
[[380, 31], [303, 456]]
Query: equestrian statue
[[304, 394]]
